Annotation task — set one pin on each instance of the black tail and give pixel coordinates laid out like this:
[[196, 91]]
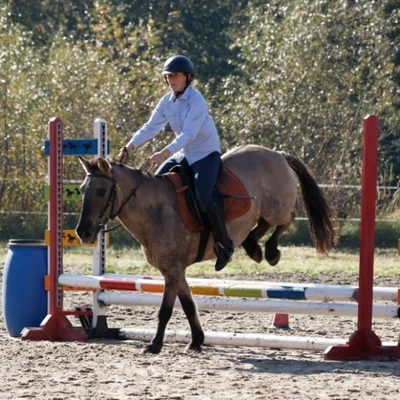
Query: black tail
[[321, 214]]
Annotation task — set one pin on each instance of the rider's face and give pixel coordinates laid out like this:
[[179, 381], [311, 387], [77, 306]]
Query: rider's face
[[177, 81]]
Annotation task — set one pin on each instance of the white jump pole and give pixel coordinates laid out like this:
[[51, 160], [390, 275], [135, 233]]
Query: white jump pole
[[249, 305], [99, 252], [238, 339]]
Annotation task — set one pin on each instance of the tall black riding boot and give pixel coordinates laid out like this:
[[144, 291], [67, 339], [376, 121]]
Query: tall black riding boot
[[224, 246]]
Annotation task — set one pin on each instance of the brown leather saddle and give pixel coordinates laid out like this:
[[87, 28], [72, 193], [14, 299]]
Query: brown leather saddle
[[237, 201]]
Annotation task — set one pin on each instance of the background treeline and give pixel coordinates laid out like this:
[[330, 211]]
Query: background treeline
[[292, 75]]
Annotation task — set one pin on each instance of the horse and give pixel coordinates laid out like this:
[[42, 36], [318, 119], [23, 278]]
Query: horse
[[147, 207]]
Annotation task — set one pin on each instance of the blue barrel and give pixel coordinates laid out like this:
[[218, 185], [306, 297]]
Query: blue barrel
[[24, 296]]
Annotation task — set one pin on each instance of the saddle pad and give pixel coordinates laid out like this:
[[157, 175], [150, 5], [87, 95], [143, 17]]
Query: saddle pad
[[228, 184]]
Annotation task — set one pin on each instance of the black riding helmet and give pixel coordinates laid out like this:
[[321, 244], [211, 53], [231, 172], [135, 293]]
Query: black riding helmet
[[176, 64]]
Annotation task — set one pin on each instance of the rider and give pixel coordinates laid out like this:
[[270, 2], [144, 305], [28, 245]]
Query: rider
[[196, 145]]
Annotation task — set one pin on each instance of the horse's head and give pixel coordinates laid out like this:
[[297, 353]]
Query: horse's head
[[99, 193]]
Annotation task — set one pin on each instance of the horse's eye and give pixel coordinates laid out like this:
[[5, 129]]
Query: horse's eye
[[101, 192]]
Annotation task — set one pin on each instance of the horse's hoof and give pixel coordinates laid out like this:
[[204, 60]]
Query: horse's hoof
[[253, 249], [152, 349], [196, 348], [257, 255], [274, 259]]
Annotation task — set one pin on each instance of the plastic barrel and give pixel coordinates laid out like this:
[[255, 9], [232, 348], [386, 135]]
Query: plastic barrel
[[24, 296]]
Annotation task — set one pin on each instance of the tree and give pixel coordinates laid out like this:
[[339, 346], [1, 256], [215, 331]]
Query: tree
[[20, 96], [313, 70], [45, 18]]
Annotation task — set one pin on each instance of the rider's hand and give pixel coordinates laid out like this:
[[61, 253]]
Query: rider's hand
[[160, 156], [124, 153]]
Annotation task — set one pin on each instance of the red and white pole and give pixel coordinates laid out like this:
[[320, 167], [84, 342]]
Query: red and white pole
[[56, 325], [364, 343], [56, 214]]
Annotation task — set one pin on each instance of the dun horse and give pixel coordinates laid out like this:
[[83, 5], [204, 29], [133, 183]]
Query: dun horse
[[147, 207]]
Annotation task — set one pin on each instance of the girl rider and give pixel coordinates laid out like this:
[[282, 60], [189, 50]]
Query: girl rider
[[196, 144]]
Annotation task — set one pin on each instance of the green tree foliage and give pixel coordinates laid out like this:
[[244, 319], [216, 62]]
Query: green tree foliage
[[46, 18], [313, 70], [20, 98]]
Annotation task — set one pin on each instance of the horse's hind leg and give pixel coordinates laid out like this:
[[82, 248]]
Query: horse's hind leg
[[189, 307], [272, 253], [164, 314], [250, 244]]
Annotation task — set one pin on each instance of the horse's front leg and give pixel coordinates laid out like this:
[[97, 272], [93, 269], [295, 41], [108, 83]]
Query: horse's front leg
[[189, 307], [164, 314]]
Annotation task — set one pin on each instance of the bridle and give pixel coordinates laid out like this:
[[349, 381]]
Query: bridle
[[104, 218]]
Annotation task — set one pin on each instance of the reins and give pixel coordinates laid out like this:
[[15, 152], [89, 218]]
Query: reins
[[113, 194]]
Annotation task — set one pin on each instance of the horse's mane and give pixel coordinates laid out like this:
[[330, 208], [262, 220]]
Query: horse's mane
[[127, 168], [93, 166]]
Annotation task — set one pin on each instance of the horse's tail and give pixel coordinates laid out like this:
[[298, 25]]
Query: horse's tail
[[321, 214]]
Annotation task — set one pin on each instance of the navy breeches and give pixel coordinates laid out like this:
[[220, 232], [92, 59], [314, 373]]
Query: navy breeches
[[205, 175]]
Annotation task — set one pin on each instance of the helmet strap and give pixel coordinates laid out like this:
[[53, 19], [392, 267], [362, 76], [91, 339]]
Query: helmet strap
[[179, 94], [189, 78]]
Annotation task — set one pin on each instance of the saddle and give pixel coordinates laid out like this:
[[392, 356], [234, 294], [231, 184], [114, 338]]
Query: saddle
[[237, 201]]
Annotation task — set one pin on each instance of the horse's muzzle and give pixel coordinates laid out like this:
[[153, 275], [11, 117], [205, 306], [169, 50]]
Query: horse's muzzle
[[86, 236]]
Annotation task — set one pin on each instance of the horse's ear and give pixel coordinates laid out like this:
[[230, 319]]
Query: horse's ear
[[104, 166], [85, 163]]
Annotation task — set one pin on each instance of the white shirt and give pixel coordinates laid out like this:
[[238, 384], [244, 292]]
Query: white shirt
[[188, 116]]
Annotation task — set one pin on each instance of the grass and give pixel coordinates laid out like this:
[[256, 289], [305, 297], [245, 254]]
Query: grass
[[295, 260]]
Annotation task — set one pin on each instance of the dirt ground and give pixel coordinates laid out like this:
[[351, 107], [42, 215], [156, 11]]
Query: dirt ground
[[101, 369]]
